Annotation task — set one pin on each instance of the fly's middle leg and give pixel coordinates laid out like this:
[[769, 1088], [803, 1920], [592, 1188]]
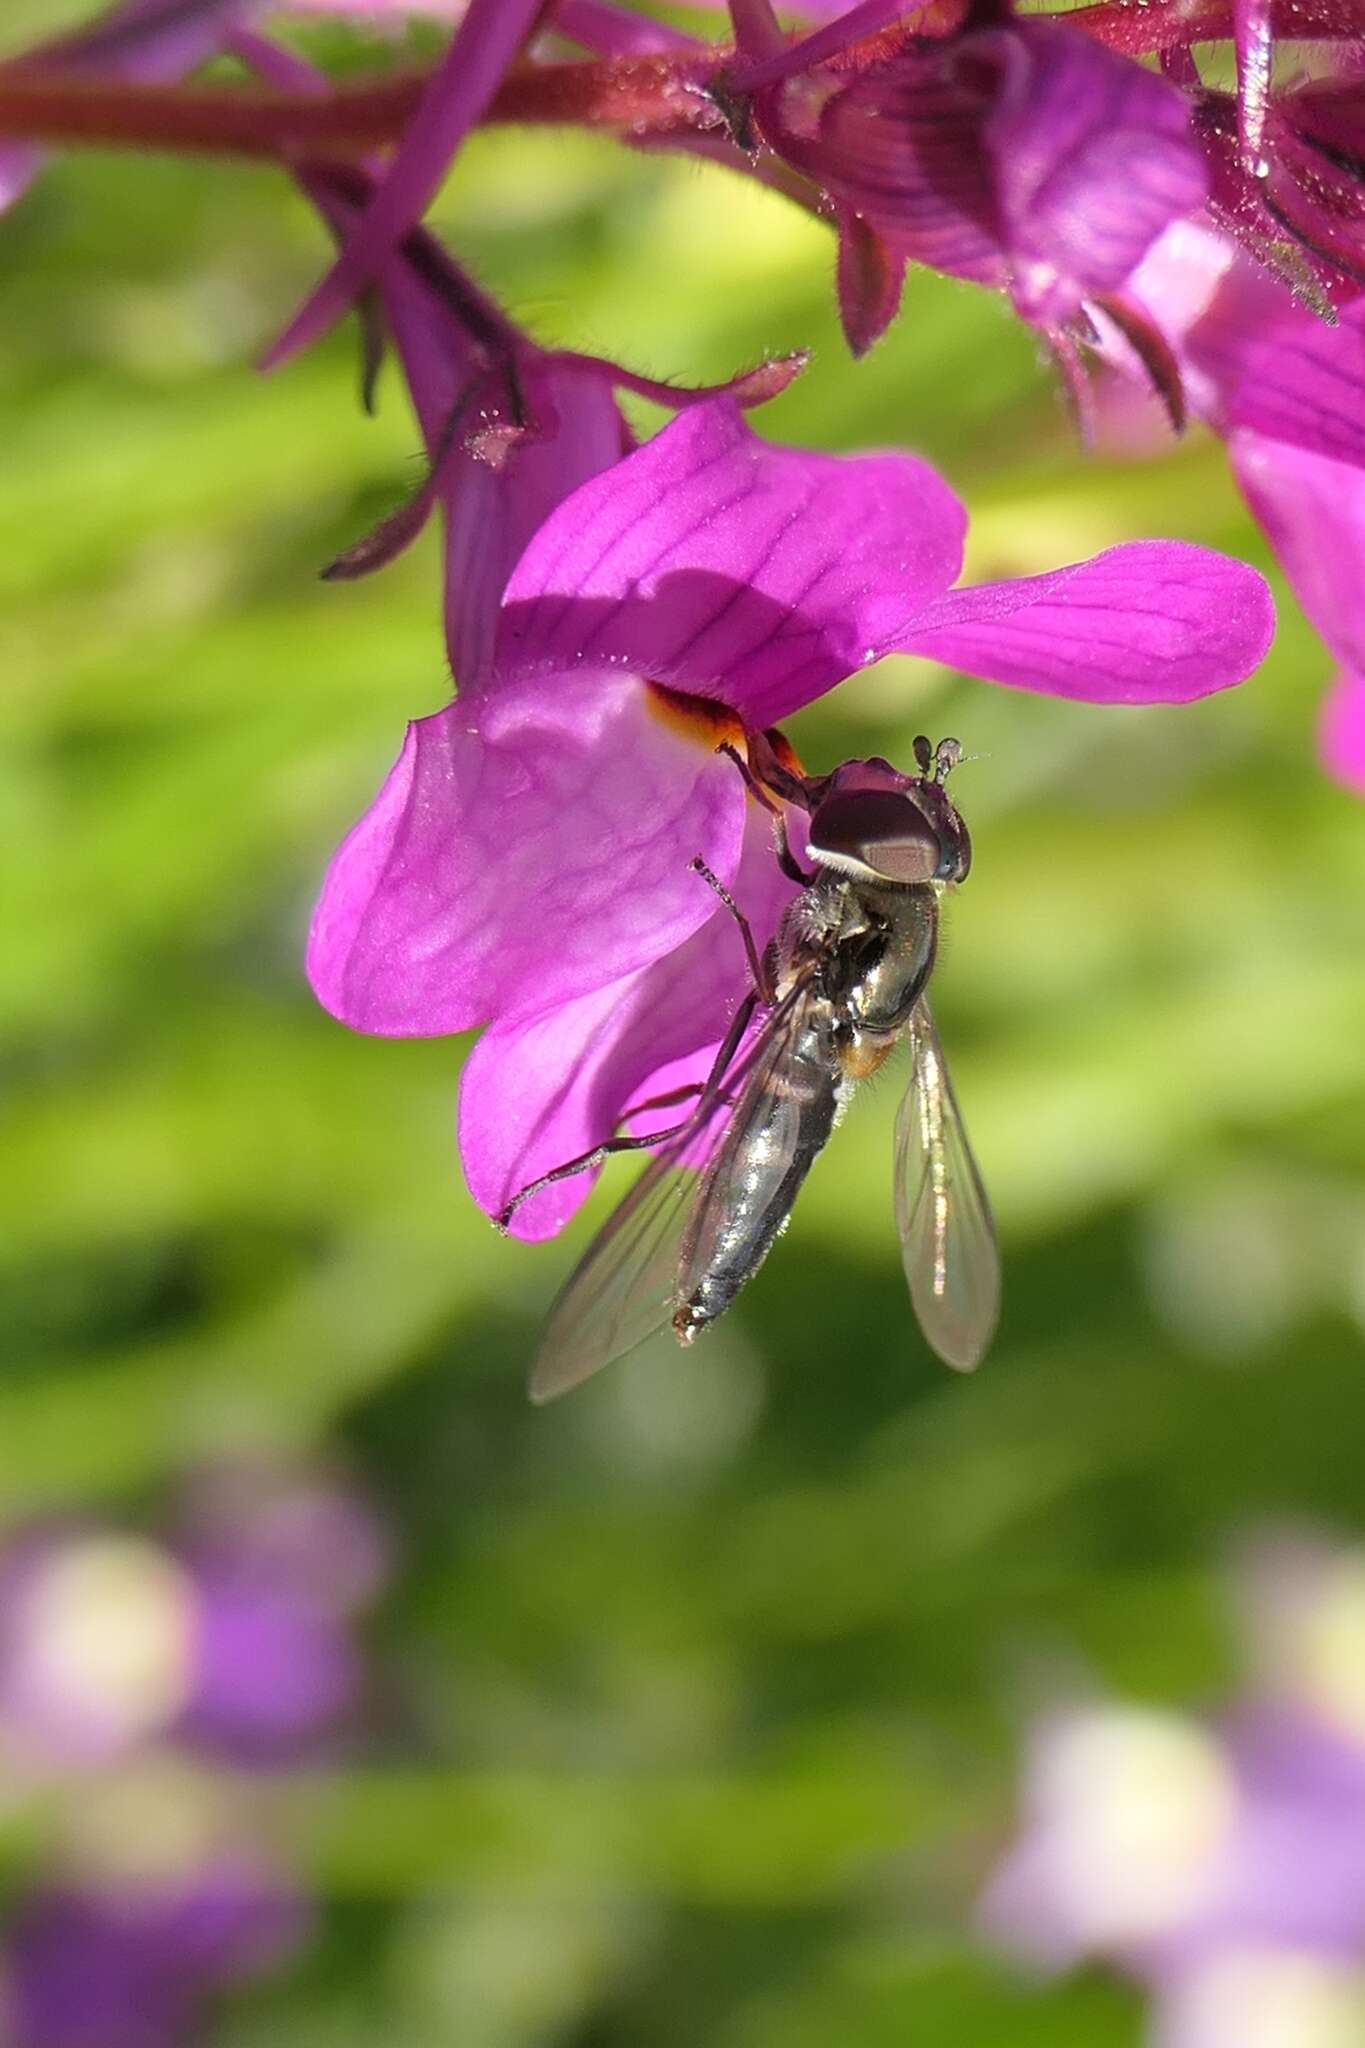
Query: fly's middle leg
[[762, 979]]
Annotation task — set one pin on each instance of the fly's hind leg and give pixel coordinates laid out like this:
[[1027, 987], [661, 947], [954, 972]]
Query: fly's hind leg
[[586, 1161]]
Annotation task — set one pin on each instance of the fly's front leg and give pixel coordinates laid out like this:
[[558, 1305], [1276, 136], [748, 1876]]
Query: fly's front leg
[[750, 780], [786, 859], [762, 980], [760, 792], [586, 1161]]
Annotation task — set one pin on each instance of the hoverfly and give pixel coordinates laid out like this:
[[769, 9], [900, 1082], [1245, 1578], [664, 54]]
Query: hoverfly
[[840, 985]]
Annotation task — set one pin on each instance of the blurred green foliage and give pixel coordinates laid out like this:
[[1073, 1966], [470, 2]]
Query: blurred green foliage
[[702, 1690]]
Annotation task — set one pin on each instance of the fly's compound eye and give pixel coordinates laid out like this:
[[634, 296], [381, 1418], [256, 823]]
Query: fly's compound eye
[[880, 833]]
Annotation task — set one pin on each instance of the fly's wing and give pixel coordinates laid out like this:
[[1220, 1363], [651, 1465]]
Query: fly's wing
[[625, 1286], [947, 1234]]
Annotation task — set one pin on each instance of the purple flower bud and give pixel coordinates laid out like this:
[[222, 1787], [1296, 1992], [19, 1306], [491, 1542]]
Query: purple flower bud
[[1023, 155]]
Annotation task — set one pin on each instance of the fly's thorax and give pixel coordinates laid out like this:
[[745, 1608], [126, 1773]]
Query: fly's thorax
[[866, 947], [819, 921], [886, 967]]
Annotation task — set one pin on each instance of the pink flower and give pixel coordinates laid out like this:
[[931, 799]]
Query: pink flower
[[526, 865], [1220, 1867]]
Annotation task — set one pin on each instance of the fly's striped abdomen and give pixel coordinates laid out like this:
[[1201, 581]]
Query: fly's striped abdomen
[[780, 1125]]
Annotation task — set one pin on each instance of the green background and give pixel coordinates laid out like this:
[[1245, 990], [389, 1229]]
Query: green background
[[704, 1688]]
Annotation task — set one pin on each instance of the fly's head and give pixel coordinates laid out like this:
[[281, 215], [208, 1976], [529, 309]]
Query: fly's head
[[877, 825]]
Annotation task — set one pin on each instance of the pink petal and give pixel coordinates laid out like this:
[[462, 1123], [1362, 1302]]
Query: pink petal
[[491, 515], [1252, 355], [1026, 155], [1313, 511], [732, 569], [1093, 156], [871, 278], [523, 859], [1150, 622], [1341, 732], [541, 1090], [613, 31], [481, 50], [903, 147]]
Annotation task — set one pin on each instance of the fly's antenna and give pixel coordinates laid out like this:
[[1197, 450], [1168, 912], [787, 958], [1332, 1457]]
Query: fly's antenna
[[947, 755], [936, 762]]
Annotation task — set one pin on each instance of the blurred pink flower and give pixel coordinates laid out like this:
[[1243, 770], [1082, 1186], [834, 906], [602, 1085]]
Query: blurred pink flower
[[1223, 1867], [234, 1633], [128, 1665]]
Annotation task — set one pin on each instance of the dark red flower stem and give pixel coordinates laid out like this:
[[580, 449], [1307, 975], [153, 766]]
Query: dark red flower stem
[[637, 96], [641, 98], [218, 120], [645, 99]]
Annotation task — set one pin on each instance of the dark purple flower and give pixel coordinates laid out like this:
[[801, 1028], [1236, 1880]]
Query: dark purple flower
[[1018, 153], [489, 38], [526, 864], [137, 1966]]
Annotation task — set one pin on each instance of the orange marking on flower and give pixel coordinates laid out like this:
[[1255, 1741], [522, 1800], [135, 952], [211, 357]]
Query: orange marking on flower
[[700, 719]]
